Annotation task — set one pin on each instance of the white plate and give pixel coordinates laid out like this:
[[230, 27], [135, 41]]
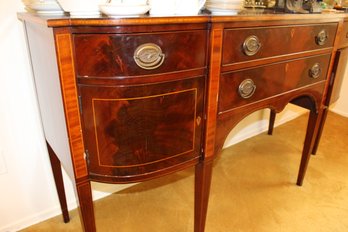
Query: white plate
[[51, 12], [213, 7], [225, 6], [84, 13], [124, 10], [219, 11], [45, 7]]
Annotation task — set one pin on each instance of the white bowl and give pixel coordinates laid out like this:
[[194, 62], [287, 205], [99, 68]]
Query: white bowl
[[81, 7], [123, 9]]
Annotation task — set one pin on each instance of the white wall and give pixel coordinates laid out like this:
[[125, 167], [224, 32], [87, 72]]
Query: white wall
[[27, 191]]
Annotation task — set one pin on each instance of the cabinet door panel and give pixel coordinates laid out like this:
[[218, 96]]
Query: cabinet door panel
[[138, 130]]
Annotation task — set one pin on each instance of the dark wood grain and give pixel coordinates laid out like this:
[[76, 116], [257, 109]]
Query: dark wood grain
[[270, 80], [312, 127], [85, 203], [131, 131], [229, 119], [294, 39], [203, 175], [109, 55], [272, 117], [58, 180], [139, 28]]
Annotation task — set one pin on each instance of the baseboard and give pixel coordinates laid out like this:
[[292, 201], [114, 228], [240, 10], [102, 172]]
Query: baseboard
[[99, 191], [36, 218], [262, 126], [340, 112]]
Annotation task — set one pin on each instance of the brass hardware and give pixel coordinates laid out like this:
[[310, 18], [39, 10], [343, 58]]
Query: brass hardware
[[251, 45], [247, 88], [86, 156], [321, 38], [198, 120], [315, 71], [148, 56]]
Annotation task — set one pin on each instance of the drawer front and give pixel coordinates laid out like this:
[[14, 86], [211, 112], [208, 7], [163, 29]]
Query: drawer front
[[109, 55], [256, 43], [247, 86], [133, 133], [343, 40]]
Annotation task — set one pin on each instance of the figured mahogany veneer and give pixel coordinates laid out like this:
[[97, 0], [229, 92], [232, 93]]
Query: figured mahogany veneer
[[132, 133], [270, 80], [275, 41], [110, 55], [131, 116]]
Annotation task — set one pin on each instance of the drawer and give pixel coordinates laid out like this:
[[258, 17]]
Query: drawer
[[109, 55], [343, 40], [251, 85], [248, 44]]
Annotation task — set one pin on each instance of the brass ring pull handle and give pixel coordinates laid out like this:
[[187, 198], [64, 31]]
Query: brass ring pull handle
[[321, 38], [251, 45], [247, 88], [315, 71], [149, 56]]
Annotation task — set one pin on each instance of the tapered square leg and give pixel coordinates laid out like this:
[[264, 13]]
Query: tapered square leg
[[203, 175], [58, 179], [320, 131], [312, 128], [85, 200], [272, 117]]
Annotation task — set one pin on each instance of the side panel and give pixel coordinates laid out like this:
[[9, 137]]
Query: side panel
[[46, 77]]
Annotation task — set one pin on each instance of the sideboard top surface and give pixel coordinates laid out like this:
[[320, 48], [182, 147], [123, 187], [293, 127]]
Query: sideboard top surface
[[63, 21]]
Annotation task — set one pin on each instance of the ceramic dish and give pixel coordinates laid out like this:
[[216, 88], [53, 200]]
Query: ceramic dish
[[219, 11], [51, 7], [123, 10], [81, 7]]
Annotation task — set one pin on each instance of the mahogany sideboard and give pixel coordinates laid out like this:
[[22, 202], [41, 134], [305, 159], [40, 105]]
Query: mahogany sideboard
[[130, 99]]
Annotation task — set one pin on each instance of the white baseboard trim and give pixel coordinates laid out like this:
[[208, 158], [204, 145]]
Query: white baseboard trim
[[55, 211], [36, 218], [340, 112], [262, 127]]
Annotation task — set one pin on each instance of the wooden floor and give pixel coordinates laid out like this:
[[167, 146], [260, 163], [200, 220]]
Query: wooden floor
[[253, 190]]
